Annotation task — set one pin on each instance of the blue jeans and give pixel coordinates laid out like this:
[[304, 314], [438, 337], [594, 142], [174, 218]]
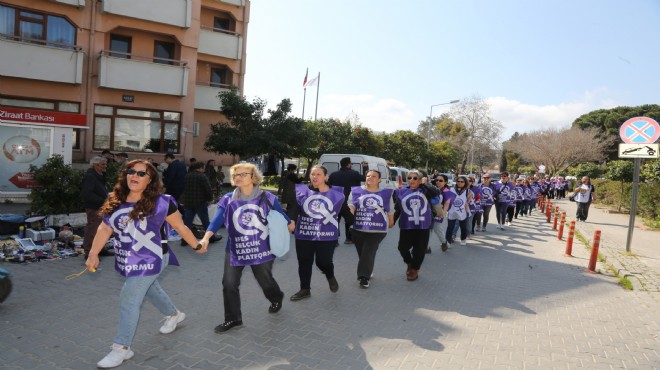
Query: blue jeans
[[135, 289], [202, 211]]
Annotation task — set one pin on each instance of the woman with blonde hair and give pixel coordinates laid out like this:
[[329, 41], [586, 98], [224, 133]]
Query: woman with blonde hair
[[243, 212]]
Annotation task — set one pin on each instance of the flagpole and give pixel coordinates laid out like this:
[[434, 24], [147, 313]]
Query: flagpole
[[304, 97], [318, 86], [305, 93]]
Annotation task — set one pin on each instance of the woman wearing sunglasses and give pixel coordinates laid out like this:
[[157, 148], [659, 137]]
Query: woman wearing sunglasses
[[316, 212], [504, 196], [374, 214], [460, 210], [243, 212], [445, 199], [413, 210], [140, 217]]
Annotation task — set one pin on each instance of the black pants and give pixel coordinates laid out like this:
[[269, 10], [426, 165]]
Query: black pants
[[510, 210], [307, 252], [519, 208], [347, 226], [527, 207], [366, 245], [500, 212], [485, 216], [582, 211], [231, 280], [412, 246], [462, 225]]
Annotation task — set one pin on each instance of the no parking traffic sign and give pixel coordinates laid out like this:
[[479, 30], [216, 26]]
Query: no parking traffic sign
[[640, 130]]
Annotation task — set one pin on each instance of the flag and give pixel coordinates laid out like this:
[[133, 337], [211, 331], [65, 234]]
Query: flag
[[313, 82], [305, 80]]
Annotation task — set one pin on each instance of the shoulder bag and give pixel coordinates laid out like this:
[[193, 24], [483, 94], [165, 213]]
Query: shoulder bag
[[277, 230]]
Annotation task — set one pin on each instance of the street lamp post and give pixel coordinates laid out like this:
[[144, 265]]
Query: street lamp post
[[428, 130]]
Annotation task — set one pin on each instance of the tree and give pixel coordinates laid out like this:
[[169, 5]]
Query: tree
[[651, 170], [504, 165], [558, 149], [620, 171], [247, 133], [59, 187], [405, 148], [588, 169], [474, 114]]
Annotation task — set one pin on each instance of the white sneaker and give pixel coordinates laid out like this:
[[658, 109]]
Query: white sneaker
[[172, 321], [462, 242], [115, 358], [508, 223]]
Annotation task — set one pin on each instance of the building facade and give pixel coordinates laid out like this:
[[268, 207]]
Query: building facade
[[142, 77]]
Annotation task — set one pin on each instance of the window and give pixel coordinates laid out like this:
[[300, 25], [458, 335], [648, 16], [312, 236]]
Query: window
[[222, 23], [39, 28], [220, 77], [122, 46], [164, 52], [133, 130]]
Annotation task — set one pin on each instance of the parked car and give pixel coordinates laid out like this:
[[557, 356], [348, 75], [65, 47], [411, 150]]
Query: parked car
[[399, 175], [495, 176], [331, 162]]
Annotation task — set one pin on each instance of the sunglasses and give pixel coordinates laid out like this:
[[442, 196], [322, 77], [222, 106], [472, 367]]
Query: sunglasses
[[134, 172], [413, 178]]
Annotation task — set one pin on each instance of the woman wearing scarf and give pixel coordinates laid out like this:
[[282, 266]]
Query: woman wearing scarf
[[413, 210], [140, 217], [374, 214], [316, 212], [244, 212]]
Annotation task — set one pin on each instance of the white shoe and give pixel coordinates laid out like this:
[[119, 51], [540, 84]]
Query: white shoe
[[115, 358], [462, 242], [508, 223], [172, 321]]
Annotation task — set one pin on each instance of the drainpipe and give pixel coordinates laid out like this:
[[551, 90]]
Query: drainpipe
[[89, 88]]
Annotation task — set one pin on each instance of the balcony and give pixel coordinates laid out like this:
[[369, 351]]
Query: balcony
[[233, 2], [206, 96], [71, 2], [224, 44], [172, 12], [140, 73], [40, 60]]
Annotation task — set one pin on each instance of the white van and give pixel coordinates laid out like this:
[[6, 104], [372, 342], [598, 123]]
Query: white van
[[399, 175], [331, 162]]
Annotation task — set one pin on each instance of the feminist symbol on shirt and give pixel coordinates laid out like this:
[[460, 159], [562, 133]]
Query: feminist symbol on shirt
[[487, 193], [131, 234], [317, 206], [247, 221], [414, 207], [372, 201]]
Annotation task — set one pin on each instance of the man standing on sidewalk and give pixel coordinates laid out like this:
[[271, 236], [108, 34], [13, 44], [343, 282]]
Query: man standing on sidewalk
[[584, 196], [347, 178], [93, 193], [197, 195]]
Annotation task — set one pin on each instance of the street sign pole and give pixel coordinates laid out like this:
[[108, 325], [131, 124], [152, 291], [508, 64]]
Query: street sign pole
[[633, 206]]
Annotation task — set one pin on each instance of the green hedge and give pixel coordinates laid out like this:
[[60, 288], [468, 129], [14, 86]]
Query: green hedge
[[648, 197]]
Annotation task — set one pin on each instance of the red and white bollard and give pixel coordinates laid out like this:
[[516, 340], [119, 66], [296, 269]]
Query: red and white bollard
[[548, 210], [554, 223], [569, 241], [594, 253], [562, 221]]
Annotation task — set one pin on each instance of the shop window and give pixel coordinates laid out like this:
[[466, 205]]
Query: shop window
[[40, 28], [164, 52], [132, 130], [68, 107], [121, 45]]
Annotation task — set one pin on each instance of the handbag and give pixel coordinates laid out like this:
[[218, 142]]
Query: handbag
[[572, 197], [278, 230]]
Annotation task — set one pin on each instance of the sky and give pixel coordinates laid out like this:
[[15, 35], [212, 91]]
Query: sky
[[538, 64]]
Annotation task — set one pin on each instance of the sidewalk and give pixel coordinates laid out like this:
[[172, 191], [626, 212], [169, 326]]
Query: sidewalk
[[642, 265], [507, 300]]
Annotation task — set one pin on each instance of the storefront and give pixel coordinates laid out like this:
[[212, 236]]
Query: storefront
[[30, 137]]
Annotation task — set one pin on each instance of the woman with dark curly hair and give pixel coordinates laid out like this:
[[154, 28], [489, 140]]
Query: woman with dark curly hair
[[140, 217]]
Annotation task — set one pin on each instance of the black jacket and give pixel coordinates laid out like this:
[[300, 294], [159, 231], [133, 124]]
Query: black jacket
[[93, 191], [346, 178]]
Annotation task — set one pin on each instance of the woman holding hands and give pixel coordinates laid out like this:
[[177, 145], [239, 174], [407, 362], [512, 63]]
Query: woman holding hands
[[140, 217]]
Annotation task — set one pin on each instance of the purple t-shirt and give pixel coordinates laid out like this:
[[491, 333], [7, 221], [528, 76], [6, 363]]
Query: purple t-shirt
[[247, 229], [319, 213], [138, 243]]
